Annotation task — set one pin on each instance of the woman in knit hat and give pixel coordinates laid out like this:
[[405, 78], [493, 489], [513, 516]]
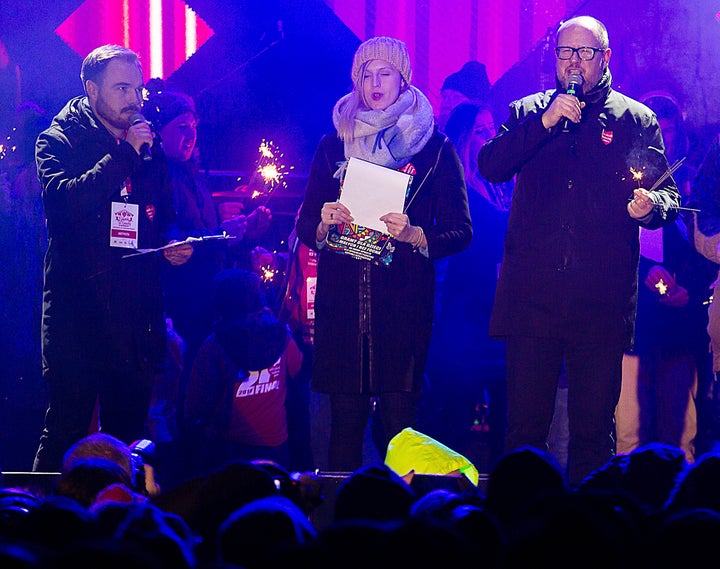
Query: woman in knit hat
[[373, 320]]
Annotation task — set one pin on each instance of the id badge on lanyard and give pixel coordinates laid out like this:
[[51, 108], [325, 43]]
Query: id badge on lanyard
[[124, 219]]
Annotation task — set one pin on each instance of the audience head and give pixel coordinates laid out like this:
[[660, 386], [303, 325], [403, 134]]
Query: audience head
[[58, 522], [374, 492], [697, 486], [100, 445], [520, 478], [263, 529], [647, 474], [223, 491], [15, 505], [87, 477]]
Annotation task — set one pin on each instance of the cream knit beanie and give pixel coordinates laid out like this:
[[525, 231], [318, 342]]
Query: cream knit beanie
[[388, 49]]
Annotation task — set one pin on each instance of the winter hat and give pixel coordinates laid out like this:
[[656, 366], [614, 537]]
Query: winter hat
[[472, 81], [163, 107], [388, 49]]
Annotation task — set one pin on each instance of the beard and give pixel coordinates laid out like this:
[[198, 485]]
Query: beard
[[112, 117]]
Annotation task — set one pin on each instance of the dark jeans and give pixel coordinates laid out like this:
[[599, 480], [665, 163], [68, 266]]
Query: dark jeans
[[349, 416], [594, 375]]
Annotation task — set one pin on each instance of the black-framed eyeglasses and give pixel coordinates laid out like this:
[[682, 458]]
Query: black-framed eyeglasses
[[585, 53]]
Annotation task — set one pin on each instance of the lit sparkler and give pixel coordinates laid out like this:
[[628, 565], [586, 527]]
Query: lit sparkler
[[267, 273], [637, 176], [661, 287], [269, 171]]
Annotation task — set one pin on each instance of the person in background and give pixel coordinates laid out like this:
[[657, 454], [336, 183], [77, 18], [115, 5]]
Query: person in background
[[466, 367], [373, 321], [187, 288], [297, 309], [669, 361], [235, 404], [705, 229], [103, 324], [568, 282], [469, 84]]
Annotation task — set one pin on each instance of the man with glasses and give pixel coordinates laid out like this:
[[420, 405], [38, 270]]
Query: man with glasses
[[582, 155]]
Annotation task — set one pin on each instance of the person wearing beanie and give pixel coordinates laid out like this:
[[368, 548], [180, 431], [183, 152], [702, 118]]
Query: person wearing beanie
[[373, 319], [187, 288], [469, 84], [235, 404]]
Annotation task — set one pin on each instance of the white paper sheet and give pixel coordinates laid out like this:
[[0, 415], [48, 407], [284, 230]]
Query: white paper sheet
[[370, 191]]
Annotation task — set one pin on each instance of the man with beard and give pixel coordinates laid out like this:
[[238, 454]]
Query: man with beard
[[105, 193]]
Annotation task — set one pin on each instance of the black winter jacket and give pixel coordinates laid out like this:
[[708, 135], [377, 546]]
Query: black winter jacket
[[571, 255]]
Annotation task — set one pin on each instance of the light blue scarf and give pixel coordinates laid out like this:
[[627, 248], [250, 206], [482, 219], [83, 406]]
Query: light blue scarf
[[390, 137]]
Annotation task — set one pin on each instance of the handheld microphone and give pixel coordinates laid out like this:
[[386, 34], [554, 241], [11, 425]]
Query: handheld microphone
[[145, 148], [575, 83]]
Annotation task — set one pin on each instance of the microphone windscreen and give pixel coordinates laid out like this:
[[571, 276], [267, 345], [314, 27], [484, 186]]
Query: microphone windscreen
[[137, 118], [575, 83]]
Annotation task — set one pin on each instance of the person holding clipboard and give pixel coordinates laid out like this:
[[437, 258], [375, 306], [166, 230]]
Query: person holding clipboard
[[373, 316]]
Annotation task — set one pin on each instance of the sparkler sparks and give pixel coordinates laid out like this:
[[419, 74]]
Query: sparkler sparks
[[661, 287], [637, 175], [269, 172], [267, 273]]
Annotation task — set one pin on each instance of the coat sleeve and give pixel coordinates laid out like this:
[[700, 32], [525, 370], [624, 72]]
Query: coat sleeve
[[71, 192], [517, 140], [321, 187], [452, 228], [666, 197]]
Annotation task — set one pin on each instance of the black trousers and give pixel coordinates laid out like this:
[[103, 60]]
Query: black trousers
[[594, 374], [349, 415]]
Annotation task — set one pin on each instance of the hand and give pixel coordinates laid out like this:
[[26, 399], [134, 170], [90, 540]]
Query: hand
[[677, 297], [398, 225], [235, 226], [659, 280], [641, 205], [261, 259], [670, 293], [178, 255], [258, 221], [139, 134], [564, 106], [332, 213]]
